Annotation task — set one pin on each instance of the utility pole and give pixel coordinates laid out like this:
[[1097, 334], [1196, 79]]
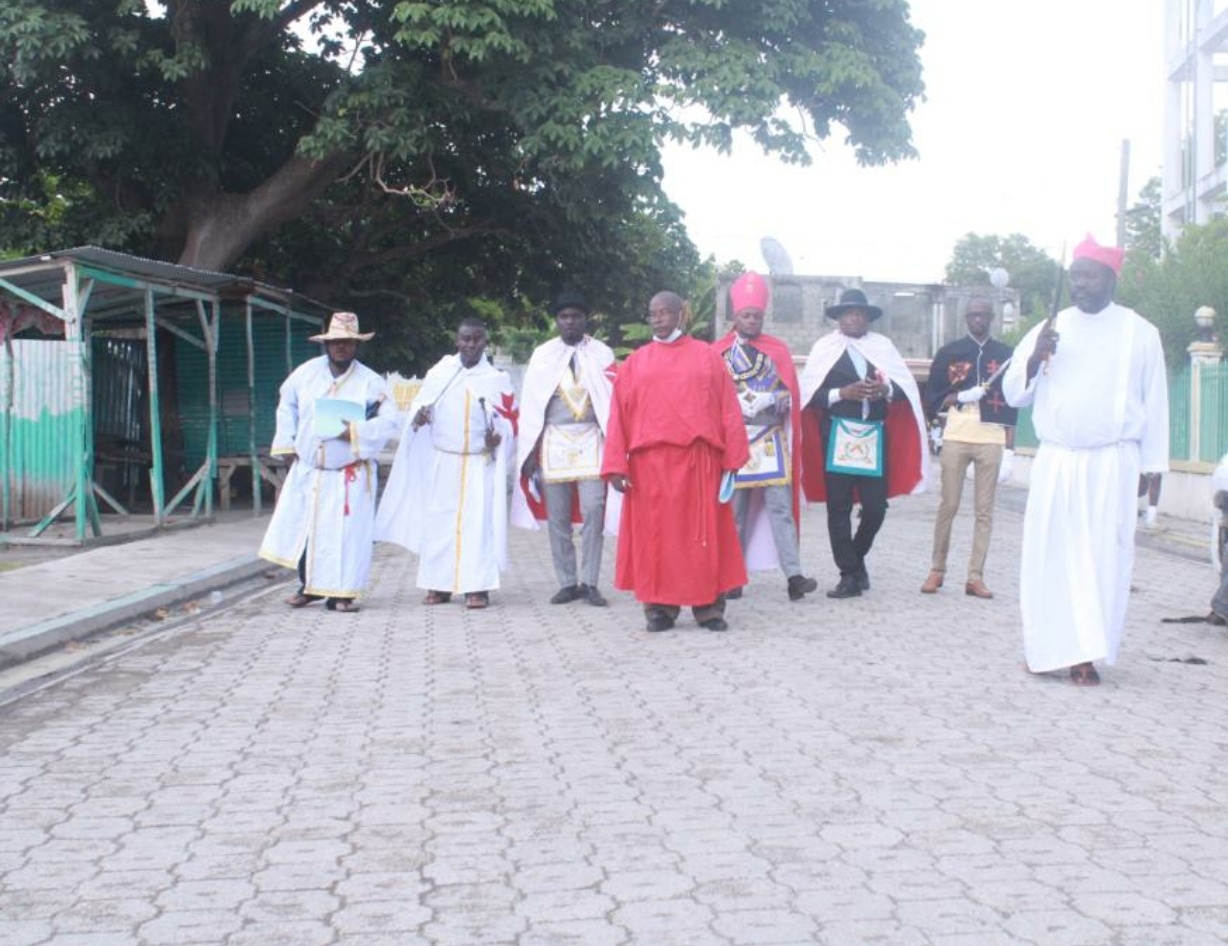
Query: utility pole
[[1123, 188]]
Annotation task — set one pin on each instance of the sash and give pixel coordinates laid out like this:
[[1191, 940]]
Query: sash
[[769, 459], [959, 422], [571, 452], [855, 447]]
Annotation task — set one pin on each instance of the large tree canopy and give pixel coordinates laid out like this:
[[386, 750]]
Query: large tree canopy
[[1168, 290], [1032, 271], [366, 143]]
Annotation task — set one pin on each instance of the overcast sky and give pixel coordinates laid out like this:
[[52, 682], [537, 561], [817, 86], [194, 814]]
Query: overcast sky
[[1027, 103]]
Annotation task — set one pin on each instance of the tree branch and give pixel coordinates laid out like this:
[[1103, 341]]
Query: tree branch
[[260, 32], [408, 251]]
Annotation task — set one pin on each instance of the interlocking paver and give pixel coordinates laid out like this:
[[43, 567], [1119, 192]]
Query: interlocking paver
[[873, 771]]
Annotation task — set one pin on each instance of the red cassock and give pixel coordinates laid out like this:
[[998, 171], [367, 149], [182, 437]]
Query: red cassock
[[675, 426]]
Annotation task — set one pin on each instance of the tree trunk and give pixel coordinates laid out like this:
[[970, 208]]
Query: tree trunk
[[218, 228]]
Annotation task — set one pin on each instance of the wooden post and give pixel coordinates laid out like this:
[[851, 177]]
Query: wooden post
[[209, 326], [74, 331]]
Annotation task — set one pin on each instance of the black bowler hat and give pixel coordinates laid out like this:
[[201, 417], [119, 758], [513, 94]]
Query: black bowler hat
[[569, 300], [853, 299]]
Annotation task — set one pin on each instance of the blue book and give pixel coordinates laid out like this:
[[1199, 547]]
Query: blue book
[[332, 415]]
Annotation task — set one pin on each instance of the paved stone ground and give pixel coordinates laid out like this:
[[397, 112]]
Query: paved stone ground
[[874, 771]]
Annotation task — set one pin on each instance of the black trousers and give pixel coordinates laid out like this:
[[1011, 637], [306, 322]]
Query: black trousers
[[847, 549]]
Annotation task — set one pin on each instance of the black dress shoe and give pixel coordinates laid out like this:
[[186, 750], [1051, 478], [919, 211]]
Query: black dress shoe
[[568, 594], [847, 588], [715, 624], [800, 586], [594, 597], [863, 578], [659, 622], [733, 594]]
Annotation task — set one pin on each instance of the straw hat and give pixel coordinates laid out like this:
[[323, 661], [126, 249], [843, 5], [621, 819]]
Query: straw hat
[[343, 327]]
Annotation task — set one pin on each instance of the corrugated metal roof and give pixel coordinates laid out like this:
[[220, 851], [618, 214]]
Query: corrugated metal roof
[[44, 280]]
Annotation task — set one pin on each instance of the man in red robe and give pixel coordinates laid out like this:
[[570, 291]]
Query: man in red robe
[[675, 430]]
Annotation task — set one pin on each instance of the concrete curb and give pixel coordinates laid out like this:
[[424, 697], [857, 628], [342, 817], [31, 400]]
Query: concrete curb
[[29, 641]]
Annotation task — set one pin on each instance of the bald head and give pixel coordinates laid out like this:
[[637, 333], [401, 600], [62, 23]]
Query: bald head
[[665, 313]]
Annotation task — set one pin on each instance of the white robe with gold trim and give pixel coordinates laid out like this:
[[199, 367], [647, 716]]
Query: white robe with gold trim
[[327, 504], [446, 498]]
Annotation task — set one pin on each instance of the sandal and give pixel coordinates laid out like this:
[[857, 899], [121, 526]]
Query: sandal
[[476, 600], [345, 605], [437, 597], [301, 600], [1084, 675]]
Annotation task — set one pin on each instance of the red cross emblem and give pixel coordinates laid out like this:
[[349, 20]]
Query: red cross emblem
[[507, 409]]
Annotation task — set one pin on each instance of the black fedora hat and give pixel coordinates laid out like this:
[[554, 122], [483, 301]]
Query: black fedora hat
[[853, 299], [569, 299]]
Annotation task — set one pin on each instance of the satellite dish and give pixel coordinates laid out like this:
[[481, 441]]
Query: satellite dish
[[776, 257]]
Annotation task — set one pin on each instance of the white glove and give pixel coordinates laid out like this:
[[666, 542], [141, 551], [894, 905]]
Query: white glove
[[756, 404], [971, 396], [1008, 464]]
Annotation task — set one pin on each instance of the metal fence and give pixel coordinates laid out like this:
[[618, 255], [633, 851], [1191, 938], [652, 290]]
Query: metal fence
[[1212, 412], [1211, 442]]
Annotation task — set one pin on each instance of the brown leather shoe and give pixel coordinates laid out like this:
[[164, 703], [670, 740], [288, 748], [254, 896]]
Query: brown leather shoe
[[976, 588], [932, 583]]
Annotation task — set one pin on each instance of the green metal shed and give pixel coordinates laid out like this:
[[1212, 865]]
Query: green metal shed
[[129, 349]]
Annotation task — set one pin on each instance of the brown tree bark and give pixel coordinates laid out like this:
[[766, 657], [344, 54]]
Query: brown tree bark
[[217, 227]]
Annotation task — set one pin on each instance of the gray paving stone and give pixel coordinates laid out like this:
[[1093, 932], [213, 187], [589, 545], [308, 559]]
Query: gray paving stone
[[484, 927], [189, 926], [574, 933], [630, 886], [559, 876], [569, 905], [24, 932], [105, 916], [97, 938], [765, 926], [292, 933], [205, 895], [380, 916], [870, 933], [537, 775], [666, 920]]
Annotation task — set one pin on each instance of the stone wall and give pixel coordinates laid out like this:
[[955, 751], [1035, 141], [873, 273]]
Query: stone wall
[[918, 318]]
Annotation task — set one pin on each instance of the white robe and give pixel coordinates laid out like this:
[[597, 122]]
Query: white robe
[[327, 504], [595, 364], [1101, 414], [881, 352], [446, 498]]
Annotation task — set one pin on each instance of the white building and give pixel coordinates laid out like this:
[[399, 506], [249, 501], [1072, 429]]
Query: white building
[[1195, 141]]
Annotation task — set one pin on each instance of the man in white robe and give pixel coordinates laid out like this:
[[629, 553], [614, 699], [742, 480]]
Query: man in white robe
[[1099, 401], [333, 418], [446, 499], [564, 410]]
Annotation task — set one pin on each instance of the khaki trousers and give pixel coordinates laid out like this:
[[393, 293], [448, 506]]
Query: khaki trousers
[[986, 459]]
